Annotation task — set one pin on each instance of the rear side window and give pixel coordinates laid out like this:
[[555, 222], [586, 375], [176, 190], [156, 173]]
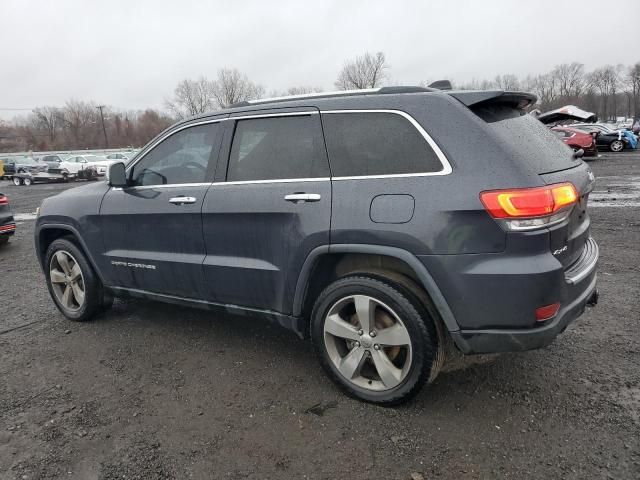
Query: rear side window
[[376, 143], [277, 148]]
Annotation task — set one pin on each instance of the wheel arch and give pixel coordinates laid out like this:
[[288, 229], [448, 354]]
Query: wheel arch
[[326, 263], [48, 233]]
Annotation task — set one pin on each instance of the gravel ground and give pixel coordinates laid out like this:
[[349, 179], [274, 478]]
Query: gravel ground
[[152, 391]]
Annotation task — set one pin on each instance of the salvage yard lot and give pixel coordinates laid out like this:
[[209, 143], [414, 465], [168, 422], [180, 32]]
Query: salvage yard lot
[[157, 391]]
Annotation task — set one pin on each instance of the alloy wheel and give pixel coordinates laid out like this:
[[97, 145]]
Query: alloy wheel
[[67, 280], [617, 146], [367, 343]]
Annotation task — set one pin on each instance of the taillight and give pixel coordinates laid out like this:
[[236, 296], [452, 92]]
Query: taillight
[[529, 208], [4, 200]]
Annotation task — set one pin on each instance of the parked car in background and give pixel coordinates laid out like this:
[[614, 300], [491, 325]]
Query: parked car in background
[[81, 166], [7, 224], [14, 165], [359, 219], [577, 139], [121, 157], [99, 163], [53, 161], [606, 137]]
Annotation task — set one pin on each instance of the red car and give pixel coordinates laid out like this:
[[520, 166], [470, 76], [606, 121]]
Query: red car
[[7, 224], [577, 139]]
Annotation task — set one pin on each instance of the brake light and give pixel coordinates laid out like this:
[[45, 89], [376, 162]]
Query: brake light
[[527, 208], [4, 200]]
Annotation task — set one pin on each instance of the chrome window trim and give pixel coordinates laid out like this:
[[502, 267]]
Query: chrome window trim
[[275, 180], [268, 115], [166, 185], [446, 166]]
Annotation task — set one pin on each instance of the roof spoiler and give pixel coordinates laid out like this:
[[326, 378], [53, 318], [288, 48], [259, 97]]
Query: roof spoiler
[[475, 98], [441, 85]]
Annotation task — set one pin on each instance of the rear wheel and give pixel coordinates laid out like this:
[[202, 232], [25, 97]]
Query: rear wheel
[[616, 146], [374, 339], [74, 287], [4, 239], [17, 181], [27, 181]]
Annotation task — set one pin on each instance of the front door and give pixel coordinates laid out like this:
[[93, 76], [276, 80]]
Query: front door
[[152, 229], [272, 207]]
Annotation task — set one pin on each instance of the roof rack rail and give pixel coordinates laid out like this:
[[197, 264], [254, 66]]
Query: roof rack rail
[[338, 93]]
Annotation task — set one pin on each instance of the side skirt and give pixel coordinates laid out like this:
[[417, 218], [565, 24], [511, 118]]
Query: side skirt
[[289, 322]]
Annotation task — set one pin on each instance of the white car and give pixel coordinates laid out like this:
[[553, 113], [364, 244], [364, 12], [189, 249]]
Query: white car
[[80, 162], [119, 157]]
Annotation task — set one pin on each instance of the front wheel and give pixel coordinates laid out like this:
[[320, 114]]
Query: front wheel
[[73, 285], [374, 339], [17, 181], [616, 146]]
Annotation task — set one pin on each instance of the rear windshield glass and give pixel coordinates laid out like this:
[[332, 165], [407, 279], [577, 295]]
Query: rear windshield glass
[[535, 143]]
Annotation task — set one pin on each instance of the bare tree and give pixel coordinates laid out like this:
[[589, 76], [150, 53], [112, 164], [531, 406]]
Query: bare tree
[[606, 80], [545, 87], [303, 90], [192, 97], [366, 71], [570, 79], [79, 117], [49, 119], [633, 81], [232, 87], [507, 82]]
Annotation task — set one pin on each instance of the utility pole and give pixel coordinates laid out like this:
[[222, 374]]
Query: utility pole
[[104, 130]]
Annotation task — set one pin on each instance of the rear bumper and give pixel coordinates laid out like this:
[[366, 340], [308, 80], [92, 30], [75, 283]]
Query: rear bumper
[[493, 298], [7, 225], [496, 341]]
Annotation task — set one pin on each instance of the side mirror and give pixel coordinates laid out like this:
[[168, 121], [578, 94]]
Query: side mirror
[[116, 175]]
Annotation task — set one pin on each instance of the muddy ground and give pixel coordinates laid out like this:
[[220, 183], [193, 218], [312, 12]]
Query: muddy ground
[[150, 391]]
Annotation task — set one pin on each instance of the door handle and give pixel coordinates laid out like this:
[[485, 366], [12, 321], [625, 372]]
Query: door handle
[[182, 200], [302, 197]]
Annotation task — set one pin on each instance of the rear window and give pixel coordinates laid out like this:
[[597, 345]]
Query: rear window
[[534, 142], [376, 143]]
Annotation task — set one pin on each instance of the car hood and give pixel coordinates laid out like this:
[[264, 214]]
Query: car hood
[[568, 112]]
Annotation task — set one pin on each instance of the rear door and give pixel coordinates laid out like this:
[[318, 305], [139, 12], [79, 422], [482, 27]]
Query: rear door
[[152, 229], [270, 206]]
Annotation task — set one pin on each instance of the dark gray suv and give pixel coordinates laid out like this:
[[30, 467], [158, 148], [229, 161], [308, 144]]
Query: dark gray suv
[[389, 225]]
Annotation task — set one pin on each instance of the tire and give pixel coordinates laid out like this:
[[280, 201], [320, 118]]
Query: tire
[[92, 303], [412, 359], [65, 177], [616, 146], [17, 181], [4, 239], [27, 182]]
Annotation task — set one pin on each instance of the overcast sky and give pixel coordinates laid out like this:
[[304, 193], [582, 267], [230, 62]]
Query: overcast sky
[[131, 54]]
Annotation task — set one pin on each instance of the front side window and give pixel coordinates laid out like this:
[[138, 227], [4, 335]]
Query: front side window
[[277, 148], [184, 157], [376, 143]]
